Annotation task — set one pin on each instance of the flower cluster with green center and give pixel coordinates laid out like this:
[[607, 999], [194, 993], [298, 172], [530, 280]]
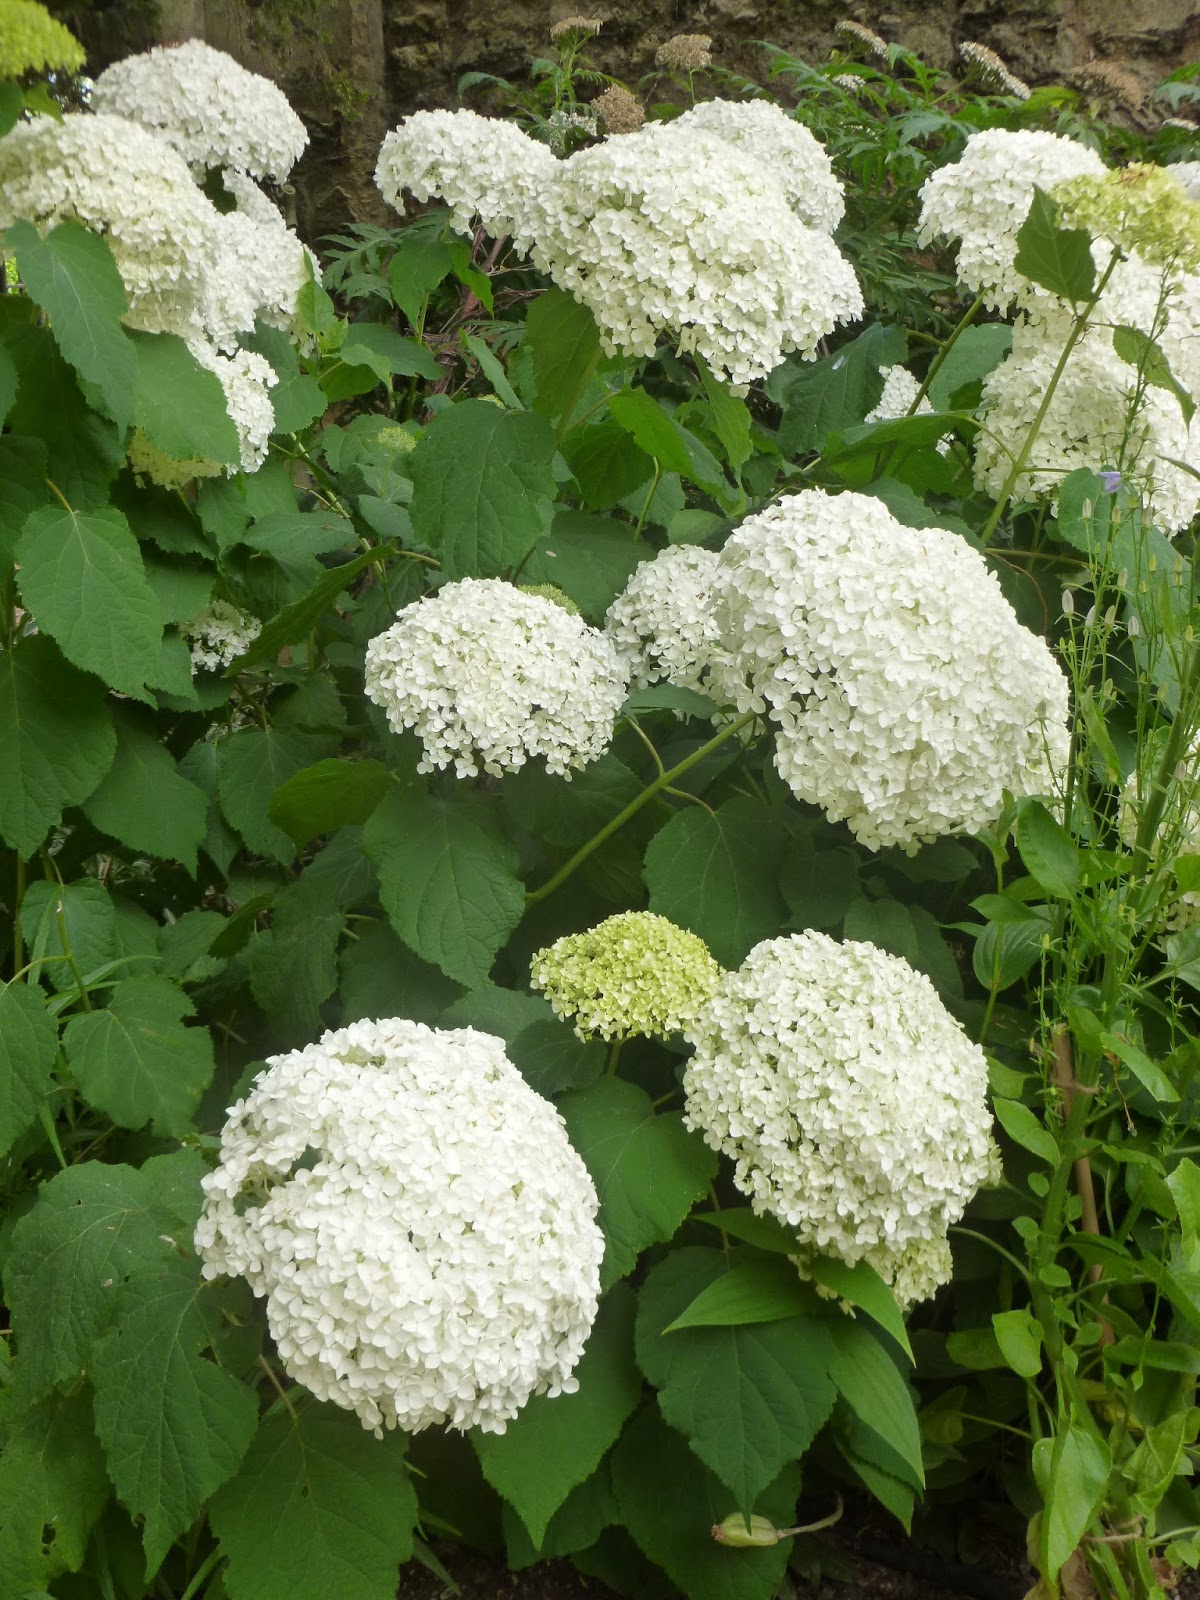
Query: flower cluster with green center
[[1139, 207], [635, 973]]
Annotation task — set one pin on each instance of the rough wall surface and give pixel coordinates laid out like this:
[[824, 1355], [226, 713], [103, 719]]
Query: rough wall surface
[[353, 68]]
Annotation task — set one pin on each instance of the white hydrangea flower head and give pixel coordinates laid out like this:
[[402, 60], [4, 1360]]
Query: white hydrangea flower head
[[900, 389], [1088, 422], [219, 635], [765, 132], [635, 973], [208, 106], [1187, 175], [852, 1104], [672, 229], [983, 198], [246, 379], [484, 168], [664, 623], [250, 200], [259, 273], [420, 1227], [907, 696], [491, 677], [119, 180]]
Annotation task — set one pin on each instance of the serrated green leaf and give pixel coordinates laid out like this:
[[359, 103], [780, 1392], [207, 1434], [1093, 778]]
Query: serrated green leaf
[[387, 353], [448, 879], [652, 429], [293, 967], [28, 1044], [180, 405], [318, 1507], [328, 795], [975, 353], [22, 480], [297, 398], [718, 876], [565, 344], [647, 1168], [81, 575], [415, 271], [590, 559], [483, 489], [576, 1525], [92, 1226], [253, 764], [72, 275], [1055, 258], [763, 1232], [821, 397], [381, 977], [290, 534], [144, 802], [670, 1503], [669, 697], [174, 1425], [875, 1389], [731, 416], [53, 1486], [554, 1444], [137, 1062], [749, 1398], [90, 917]]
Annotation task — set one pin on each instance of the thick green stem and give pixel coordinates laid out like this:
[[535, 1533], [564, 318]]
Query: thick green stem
[[935, 366], [663, 781]]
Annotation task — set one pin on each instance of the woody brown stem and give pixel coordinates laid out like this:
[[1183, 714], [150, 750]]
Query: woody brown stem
[[1089, 1221]]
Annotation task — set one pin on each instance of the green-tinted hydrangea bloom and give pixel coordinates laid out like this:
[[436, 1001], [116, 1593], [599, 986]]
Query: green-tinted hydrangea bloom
[[635, 973], [31, 40], [549, 591], [1139, 207], [396, 438]]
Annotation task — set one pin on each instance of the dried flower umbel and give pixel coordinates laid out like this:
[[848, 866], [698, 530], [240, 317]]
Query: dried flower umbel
[[618, 111], [685, 52], [576, 28]]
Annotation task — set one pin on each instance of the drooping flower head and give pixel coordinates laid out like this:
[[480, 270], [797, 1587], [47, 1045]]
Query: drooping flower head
[[764, 131], [907, 696], [855, 36], [219, 635], [491, 677], [31, 40], [853, 1106], [205, 104], [664, 623], [635, 973], [417, 1221]]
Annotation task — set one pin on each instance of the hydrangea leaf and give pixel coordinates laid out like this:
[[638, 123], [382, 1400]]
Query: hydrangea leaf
[[58, 741], [718, 876], [81, 575], [554, 1444], [173, 1424], [252, 765], [91, 922], [72, 275], [1055, 258], [875, 1389], [53, 1486], [23, 470], [565, 344], [648, 1169], [447, 878], [318, 1506], [28, 1044], [381, 977], [293, 968], [179, 404], [606, 463], [670, 1503], [483, 489], [328, 795], [590, 559], [822, 397], [137, 1062], [749, 1397], [145, 802], [300, 616], [92, 1226], [576, 1525]]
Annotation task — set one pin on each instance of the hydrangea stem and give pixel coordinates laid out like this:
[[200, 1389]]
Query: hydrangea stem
[[663, 781]]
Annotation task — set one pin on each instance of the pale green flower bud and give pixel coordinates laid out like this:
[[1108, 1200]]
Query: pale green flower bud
[[759, 1535], [549, 591]]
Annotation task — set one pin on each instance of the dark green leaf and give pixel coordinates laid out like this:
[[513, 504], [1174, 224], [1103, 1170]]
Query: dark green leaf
[[327, 796], [972, 356], [1136, 347], [877, 1392], [53, 1486], [590, 559], [179, 404], [821, 397], [606, 463], [757, 1291], [90, 918], [253, 764], [415, 271], [731, 417], [380, 977], [28, 1042], [652, 429], [293, 967], [1024, 1128], [565, 343], [861, 1286], [301, 616], [1055, 258], [1048, 851], [144, 802], [290, 534]]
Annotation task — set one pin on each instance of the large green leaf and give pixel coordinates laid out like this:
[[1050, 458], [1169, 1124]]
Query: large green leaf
[[575, 1526], [23, 487], [72, 275], [319, 1507], [144, 802], [1072, 1472], [381, 977], [448, 879], [822, 397], [28, 1044], [554, 1444], [81, 575], [87, 913], [750, 1398], [647, 1168], [652, 429], [328, 795], [1053, 257], [762, 1289], [670, 1504], [589, 558], [293, 967], [606, 462], [302, 615], [174, 1424], [730, 416], [974, 354], [253, 764], [137, 1062], [91, 1228], [875, 1389], [565, 342], [483, 489], [53, 1486], [179, 404], [1048, 851], [718, 876]]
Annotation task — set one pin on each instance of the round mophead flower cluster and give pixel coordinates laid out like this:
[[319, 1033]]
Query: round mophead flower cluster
[[490, 676], [259, 275], [205, 104], [31, 40], [785, 147], [219, 635], [852, 1104], [675, 229], [422, 1230], [635, 973], [664, 622], [906, 694], [983, 198], [118, 179]]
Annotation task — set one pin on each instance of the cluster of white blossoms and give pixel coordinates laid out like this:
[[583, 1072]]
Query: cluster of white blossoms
[[490, 677], [906, 694], [263, 267], [900, 390], [635, 973], [421, 1228], [219, 635], [202, 102], [785, 147], [664, 623], [852, 1104]]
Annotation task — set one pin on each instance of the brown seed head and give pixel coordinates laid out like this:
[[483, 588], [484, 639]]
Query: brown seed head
[[685, 52], [618, 110], [581, 27], [856, 34]]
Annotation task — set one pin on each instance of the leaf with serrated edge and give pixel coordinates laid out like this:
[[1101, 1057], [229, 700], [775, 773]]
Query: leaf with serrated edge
[[319, 1507], [145, 802], [51, 1477], [28, 1043], [253, 764]]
